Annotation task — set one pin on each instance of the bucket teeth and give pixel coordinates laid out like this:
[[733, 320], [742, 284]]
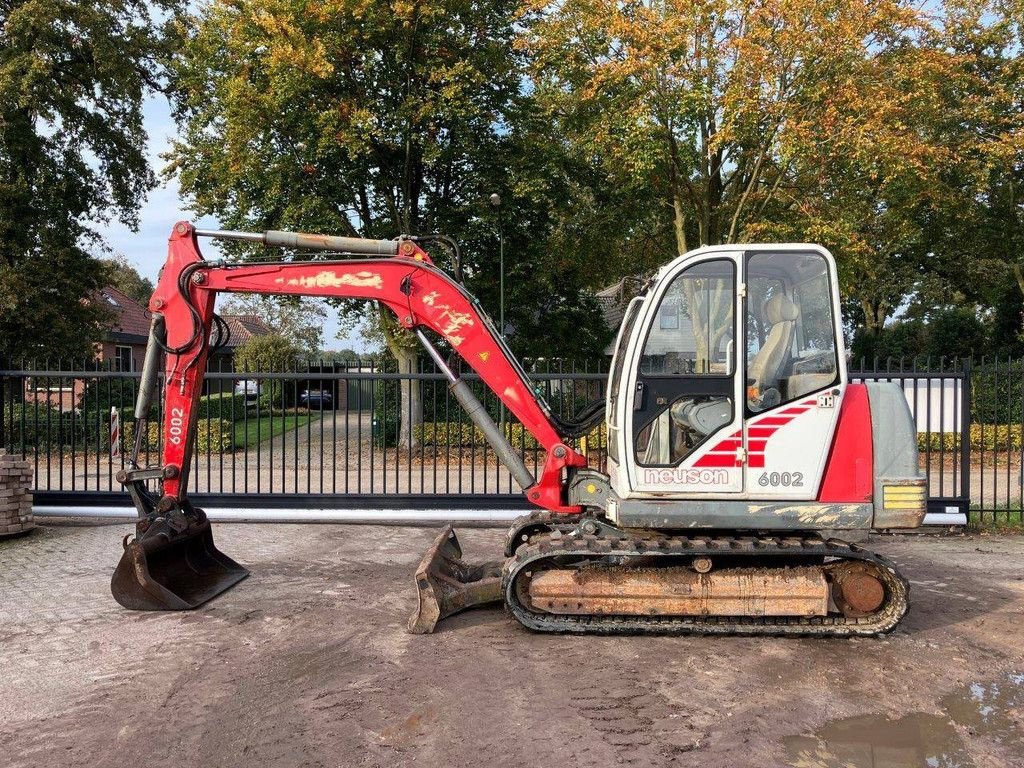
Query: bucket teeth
[[169, 568], [446, 585]]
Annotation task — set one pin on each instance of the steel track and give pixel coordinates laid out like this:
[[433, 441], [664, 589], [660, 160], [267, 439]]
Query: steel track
[[566, 543]]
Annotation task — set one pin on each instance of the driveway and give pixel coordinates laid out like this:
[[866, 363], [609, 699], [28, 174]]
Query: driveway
[[307, 663]]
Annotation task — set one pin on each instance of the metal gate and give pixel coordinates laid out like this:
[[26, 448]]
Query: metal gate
[[330, 433]]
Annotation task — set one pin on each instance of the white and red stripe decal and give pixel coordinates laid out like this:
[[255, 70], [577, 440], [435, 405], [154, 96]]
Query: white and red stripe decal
[[724, 454]]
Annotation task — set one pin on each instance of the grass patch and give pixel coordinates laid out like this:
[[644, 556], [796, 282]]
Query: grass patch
[[1002, 525], [252, 431]]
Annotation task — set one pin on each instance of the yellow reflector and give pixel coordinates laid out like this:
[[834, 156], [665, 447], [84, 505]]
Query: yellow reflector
[[903, 496]]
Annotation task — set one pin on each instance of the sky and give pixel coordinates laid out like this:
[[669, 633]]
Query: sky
[[147, 248]]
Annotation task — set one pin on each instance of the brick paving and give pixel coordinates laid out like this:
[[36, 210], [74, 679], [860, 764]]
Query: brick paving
[[307, 664]]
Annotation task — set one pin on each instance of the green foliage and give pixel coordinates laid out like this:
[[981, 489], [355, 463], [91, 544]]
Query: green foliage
[[949, 333], [32, 426], [903, 339], [989, 437], [226, 406], [266, 353], [100, 394], [299, 320], [277, 133], [269, 353], [36, 426], [456, 434], [216, 436], [1007, 328], [997, 391], [126, 278], [956, 332], [73, 78]]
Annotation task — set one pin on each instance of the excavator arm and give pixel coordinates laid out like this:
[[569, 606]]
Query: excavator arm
[[405, 281], [396, 273]]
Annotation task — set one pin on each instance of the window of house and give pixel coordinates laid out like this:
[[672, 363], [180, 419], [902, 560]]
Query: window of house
[[123, 359]]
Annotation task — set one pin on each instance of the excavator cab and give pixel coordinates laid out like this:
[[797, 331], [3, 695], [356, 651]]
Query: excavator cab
[[726, 386]]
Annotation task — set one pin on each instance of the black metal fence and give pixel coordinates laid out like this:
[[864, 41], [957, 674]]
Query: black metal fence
[[333, 432]]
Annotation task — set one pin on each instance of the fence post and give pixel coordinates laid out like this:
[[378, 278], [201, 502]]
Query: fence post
[[965, 434], [3, 404]]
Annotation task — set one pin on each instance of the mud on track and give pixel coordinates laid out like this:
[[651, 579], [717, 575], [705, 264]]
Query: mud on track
[[307, 663]]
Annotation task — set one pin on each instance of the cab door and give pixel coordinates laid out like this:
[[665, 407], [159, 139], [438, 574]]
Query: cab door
[[795, 381], [682, 428]]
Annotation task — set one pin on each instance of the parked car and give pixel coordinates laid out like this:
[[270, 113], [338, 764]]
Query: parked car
[[316, 399], [250, 388]]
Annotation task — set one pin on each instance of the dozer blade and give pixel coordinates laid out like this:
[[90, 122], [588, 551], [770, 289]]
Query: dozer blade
[[167, 570], [446, 585]]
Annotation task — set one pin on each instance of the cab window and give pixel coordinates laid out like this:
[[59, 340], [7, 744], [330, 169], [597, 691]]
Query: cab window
[[692, 331], [684, 385], [791, 334]]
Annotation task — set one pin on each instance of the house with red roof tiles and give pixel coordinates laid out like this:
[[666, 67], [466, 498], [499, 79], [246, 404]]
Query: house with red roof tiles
[[123, 346]]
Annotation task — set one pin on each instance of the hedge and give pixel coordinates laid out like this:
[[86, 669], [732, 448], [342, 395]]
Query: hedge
[[215, 436], [226, 405], [989, 437], [37, 426], [455, 434], [25, 427]]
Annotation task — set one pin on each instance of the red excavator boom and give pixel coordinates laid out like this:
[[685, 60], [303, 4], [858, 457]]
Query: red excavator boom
[[400, 275]]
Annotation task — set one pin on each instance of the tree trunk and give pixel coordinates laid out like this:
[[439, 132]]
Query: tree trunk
[[1018, 275], [679, 222], [875, 314], [411, 401], [404, 347]]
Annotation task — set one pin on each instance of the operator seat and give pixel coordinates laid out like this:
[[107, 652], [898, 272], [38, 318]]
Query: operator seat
[[765, 369]]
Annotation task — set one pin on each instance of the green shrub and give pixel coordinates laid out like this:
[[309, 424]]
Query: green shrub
[[37, 426], [989, 437], [462, 435], [100, 394], [214, 436], [226, 405]]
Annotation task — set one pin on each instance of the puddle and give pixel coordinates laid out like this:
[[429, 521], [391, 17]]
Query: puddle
[[993, 711], [874, 741]]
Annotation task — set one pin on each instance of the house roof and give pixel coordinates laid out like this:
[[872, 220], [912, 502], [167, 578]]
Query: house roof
[[613, 301], [131, 319], [243, 328], [616, 297]]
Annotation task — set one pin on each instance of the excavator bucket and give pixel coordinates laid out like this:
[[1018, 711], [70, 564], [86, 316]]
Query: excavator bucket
[[167, 570], [446, 585]]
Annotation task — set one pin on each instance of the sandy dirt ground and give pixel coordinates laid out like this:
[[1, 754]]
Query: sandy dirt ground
[[307, 663]]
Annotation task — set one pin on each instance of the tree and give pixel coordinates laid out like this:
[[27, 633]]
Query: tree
[[711, 102], [261, 354], [980, 232], [126, 278], [346, 117], [299, 320], [73, 76]]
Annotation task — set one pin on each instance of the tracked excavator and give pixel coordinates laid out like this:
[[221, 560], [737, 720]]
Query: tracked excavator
[[741, 460]]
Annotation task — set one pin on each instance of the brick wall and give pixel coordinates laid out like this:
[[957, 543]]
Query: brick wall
[[15, 497]]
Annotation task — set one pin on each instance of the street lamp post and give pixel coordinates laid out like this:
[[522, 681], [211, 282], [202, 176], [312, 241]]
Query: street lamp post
[[496, 203]]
